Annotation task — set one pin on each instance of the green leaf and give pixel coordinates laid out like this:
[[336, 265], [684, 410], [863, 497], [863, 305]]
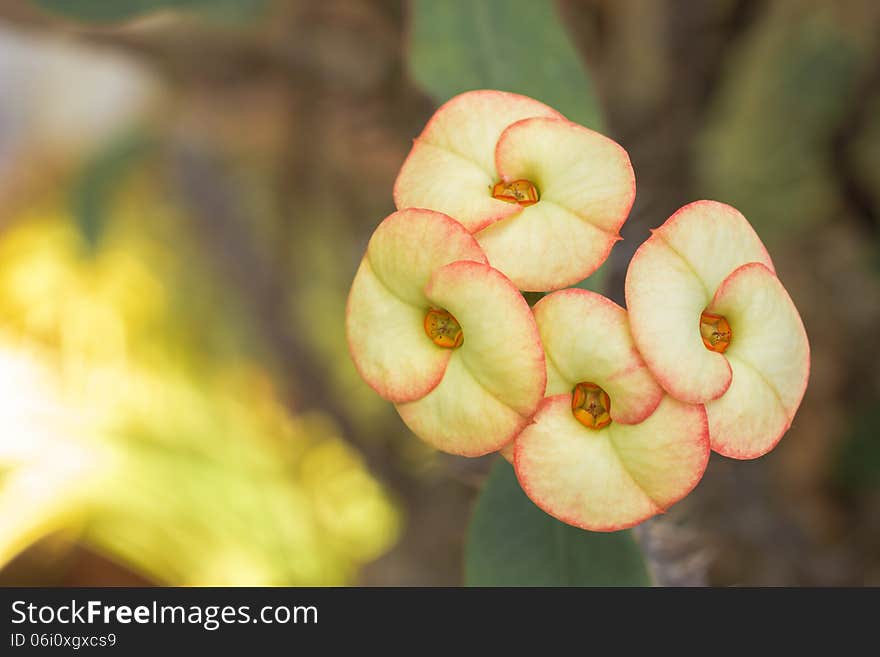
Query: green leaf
[[598, 280], [110, 11], [93, 190], [512, 542], [511, 45], [857, 466]]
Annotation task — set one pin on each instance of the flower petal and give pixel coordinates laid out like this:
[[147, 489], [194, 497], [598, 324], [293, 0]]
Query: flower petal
[[502, 346], [748, 420], [572, 166], [666, 454], [434, 177], [665, 299], [460, 416], [615, 477], [770, 355], [586, 188], [586, 337], [496, 379], [670, 282], [410, 244], [388, 343], [545, 247], [714, 239], [451, 167], [386, 305]]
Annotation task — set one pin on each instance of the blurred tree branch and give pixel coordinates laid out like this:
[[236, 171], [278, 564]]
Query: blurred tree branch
[[853, 188], [200, 180]]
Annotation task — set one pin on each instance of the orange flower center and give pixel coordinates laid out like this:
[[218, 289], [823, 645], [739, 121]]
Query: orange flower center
[[443, 329], [521, 192], [715, 331], [590, 405]]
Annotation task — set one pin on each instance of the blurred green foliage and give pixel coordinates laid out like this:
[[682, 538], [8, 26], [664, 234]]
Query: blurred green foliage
[[144, 426], [109, 11], [857, 466], [92, 193], [765, 151], [512, 542]]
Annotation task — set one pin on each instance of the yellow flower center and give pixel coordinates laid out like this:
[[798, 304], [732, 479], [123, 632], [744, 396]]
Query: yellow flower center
[[521, 192], [443, 329], [590, 405], [715, 331]]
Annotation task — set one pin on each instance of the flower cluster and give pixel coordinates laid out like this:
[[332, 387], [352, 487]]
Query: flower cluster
[[607, 414]]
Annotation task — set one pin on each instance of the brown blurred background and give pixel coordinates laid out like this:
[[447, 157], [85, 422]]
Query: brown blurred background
[[183, 203]]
